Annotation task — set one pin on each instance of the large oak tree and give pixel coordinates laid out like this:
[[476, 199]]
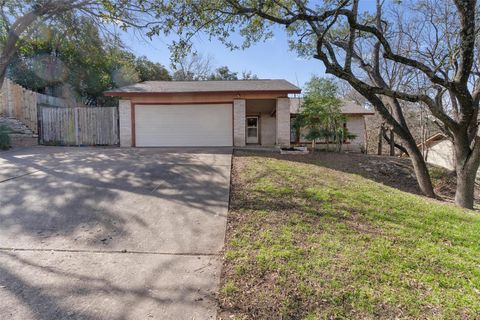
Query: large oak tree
[[365, 47]]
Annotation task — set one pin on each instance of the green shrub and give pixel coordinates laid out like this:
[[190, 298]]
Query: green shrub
[[4, 138]]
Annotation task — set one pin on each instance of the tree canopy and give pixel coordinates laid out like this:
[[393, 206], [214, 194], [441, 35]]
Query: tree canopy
[[22, 18], [321, 113], [223, 73], [58, 58], [196, 66], [423, 52]]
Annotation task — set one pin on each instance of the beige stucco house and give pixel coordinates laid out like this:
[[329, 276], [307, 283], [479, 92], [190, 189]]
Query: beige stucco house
[[205, 113], [216, 113], [439, 151]]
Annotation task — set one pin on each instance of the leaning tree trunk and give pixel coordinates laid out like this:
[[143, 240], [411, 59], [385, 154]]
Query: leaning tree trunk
[[419, 165], [3, 69], [380, 137], [421, 170], [396, 145], [392, 143]]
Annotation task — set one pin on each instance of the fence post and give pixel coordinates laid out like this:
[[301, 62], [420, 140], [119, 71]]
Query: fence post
[[77, 131], [39, 124]]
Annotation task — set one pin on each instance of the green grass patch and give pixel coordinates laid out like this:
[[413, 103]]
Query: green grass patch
[[307, 242]]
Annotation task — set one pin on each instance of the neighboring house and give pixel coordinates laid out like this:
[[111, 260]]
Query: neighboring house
[[439, 151], [355, 123], [205, 113]]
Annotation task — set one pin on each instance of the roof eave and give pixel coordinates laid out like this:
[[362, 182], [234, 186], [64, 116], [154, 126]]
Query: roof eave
[[359, 113], [348, 113], [139, 93]]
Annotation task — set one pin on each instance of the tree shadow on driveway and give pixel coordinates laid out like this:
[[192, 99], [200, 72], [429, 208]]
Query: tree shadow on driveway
[[104, 198], [58, 286], [165, 208]]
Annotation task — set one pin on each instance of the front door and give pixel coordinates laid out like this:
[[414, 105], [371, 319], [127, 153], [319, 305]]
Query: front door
[[252, 130]]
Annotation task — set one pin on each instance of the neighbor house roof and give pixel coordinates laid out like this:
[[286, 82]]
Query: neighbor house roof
[[434, 139], [204, 86], [348, 107], [351, 107]]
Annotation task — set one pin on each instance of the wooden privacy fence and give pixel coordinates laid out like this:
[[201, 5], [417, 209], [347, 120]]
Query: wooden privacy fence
[[78, 125], [19, 103], [59, 121]]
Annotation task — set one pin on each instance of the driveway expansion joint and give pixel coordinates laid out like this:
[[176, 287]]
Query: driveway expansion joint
[[19, 176], [112, 252]]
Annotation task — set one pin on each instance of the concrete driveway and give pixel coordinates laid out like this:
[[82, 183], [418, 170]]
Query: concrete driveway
[[100, 233]]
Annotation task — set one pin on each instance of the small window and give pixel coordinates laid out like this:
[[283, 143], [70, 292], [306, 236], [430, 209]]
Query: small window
[[252, 122]]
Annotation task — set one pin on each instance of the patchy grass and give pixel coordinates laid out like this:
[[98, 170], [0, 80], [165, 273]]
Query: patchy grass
[[308, 242]]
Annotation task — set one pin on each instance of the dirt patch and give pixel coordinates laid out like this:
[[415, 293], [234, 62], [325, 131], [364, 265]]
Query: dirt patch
[[391, 171]]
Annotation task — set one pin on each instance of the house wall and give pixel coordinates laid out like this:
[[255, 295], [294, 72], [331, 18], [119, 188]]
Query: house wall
[[239, 113], [283, 122], [125, 114], [201, 97], [441, 154], [268, 128], [265, 102], [265, 109], [355, 125]]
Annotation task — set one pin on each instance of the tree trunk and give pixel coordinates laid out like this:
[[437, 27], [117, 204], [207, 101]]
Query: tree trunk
[[365, 136], [421, 171], [464, 193], [3, 69], [467, 162], [423, 134], [380, 140], [392, 143], [396, 145], [338, 144]]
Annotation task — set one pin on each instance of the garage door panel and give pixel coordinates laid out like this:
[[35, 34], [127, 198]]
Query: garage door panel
[[183, 125]]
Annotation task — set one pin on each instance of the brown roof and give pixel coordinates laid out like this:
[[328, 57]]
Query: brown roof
[[348, 107], [205, 86], [434, 139]]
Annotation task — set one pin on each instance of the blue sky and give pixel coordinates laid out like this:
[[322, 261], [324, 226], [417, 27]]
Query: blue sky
[[268, 60]]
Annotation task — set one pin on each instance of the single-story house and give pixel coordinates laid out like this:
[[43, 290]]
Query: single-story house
[[438, 150], [205, 113], [212, 113]]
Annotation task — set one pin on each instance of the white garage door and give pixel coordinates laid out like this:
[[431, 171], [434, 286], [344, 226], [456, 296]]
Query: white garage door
[[208, 125]]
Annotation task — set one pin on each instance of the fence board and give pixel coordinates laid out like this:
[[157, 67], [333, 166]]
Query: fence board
[[79, 125], [19, 103], [62, 121]]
